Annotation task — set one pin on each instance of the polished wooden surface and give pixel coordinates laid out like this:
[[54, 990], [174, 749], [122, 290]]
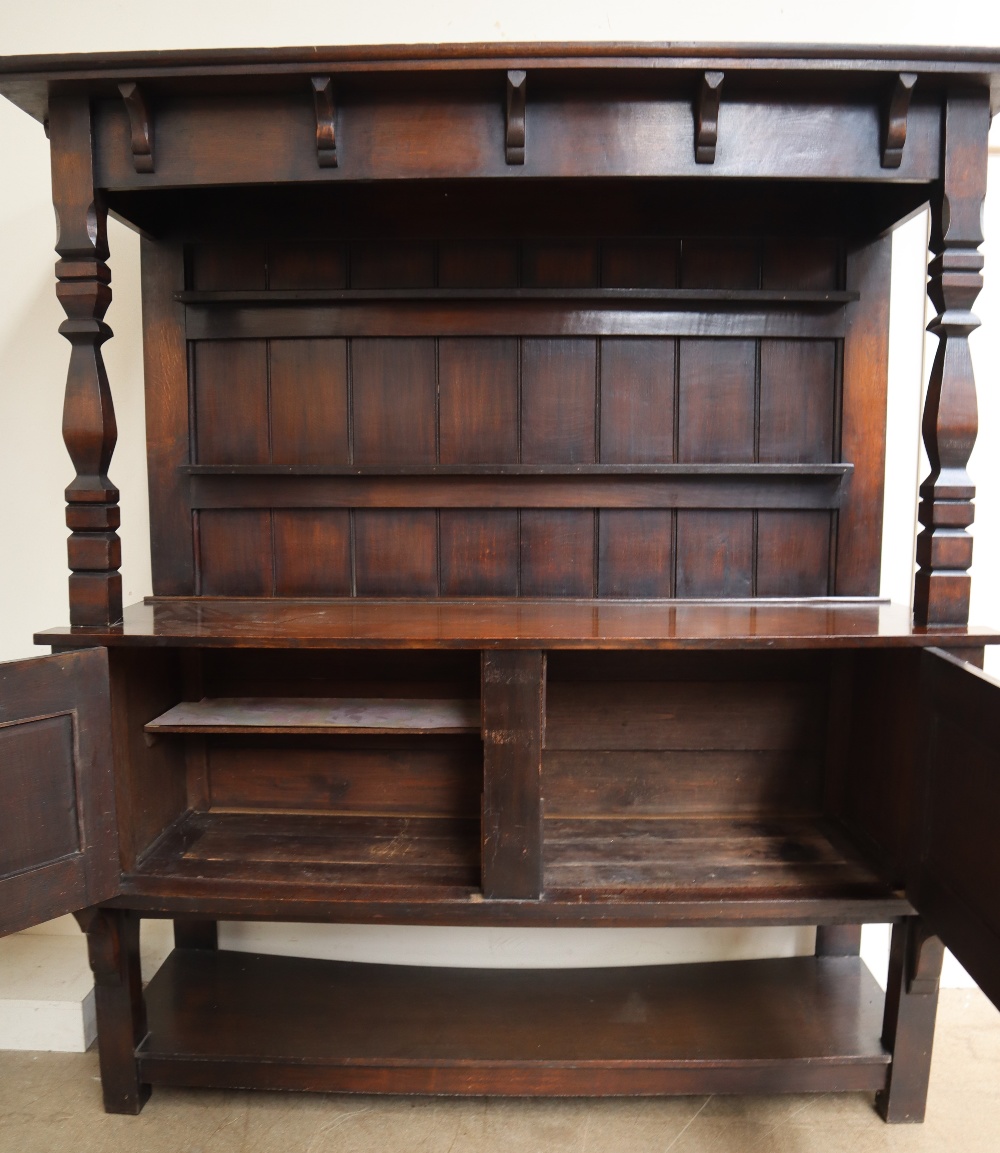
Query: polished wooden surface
[[516, 624], [373, 1028], [541, 389]]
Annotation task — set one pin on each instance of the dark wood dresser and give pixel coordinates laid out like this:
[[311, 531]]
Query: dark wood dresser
[[516, 443]]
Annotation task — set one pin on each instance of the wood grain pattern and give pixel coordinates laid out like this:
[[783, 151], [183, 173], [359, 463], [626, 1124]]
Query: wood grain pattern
[[558, 401], [716, 403], [312, 552], [231, 378], [307, 387], [394, 401]]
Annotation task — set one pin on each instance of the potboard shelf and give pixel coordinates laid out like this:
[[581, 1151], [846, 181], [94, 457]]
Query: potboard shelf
[[341, 1027]]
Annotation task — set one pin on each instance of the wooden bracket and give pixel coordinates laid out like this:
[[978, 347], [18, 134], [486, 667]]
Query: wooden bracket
[[894, 123], [326, 122], [141, 124], [706, 117], [516, 85]]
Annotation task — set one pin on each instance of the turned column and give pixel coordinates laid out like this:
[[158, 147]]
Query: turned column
[[950, 424], [89, 430]]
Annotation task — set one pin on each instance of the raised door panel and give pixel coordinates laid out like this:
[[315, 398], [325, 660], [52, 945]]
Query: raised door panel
[[955, 884], [58, 838]]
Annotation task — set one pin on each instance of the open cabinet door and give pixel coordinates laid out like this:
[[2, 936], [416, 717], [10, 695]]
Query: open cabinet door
[[956, 881], [58, 836]]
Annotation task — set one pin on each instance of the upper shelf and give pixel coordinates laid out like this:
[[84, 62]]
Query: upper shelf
[[516, 624], [675, 297]]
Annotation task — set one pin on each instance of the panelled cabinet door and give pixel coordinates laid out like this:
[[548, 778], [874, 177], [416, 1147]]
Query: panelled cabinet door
[[58, 837], [956, 882]]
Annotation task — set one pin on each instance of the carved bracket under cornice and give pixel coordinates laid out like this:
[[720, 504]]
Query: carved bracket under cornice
[[706, 117], [894, 123], [516, 85], [326, 122], [141, 124]]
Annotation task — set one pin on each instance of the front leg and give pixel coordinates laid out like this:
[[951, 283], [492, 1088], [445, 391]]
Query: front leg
[[113, 949]]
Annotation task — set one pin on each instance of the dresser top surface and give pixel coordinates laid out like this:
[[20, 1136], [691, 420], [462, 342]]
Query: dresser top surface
[[524, 624]]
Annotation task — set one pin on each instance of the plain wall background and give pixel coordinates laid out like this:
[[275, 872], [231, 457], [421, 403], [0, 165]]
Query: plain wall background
[[34, 468]]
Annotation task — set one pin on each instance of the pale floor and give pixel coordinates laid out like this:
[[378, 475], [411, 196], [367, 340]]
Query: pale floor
[[51, 1102]]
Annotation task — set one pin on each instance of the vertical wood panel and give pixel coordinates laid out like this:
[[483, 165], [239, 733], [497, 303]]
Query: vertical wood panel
[[557, 553], [309, 401], [637, 401], [228, 266], [394, 401], [559, 264], [513, 704], [797, 392], [477, 264], [478, 552], [716, 400], [395, 552], [714, 553], [312, 553], [235, 552], [645, 263], [231, 401], [558, 401], [307, 264], [478, 401], [635, 553], [392, 264], [800, 263], [793, 553], [719, 264]]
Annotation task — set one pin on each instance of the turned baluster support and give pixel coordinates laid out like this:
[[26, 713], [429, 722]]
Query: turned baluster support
[[89, 429], [950, 423]]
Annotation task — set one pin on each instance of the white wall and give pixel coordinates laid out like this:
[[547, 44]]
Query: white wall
[[34, 468]]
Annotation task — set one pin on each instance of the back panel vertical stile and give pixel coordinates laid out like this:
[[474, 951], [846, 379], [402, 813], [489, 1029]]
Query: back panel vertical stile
[[165, 366]]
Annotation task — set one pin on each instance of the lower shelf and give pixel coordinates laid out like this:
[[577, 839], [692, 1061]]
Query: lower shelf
[[240, 1020]]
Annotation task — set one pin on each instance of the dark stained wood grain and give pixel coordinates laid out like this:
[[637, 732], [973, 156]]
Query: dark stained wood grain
[[716, 403], [513, 704], [307, 385], [865, 378], [395, 553], [595, 783], [637, 401], [558, 401], [231, 379], [58, 832], [212, 623], [317, 715], [404, 1029], [312, 552], [635, 553], [715, 552], [395, 778], [478, 386], [793, 554], [557, 553], [394, 401], [479, 552], [234, 553], [306, 265], [798, 391]]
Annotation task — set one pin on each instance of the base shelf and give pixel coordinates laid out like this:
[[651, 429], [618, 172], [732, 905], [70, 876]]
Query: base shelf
[[229, 1019]]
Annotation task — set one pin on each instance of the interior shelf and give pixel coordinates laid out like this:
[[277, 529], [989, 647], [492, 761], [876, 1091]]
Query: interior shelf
[[355, 715], [343, 1027]]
